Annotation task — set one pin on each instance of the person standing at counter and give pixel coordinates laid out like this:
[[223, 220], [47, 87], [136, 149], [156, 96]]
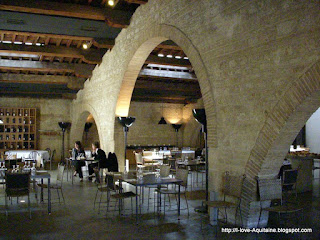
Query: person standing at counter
[[78, 151], [99, 155]]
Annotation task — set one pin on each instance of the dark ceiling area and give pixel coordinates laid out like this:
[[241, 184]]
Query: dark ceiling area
[[49, 48]]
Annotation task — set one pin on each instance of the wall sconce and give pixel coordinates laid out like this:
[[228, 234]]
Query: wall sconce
[[176, 128], [87, 126], [63, 126], [200, 116]]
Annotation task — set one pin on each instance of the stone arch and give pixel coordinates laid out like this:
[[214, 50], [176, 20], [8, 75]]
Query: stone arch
[[282, 124], [79, 121], [159, 34]]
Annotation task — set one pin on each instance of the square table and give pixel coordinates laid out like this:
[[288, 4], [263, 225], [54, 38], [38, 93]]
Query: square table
[[39, 175], [131, 178]]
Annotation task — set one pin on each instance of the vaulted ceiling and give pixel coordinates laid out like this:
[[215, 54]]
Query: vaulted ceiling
[[42, 51]]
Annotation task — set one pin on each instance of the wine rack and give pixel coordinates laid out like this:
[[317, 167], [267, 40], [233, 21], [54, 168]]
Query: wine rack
[[18, 128]]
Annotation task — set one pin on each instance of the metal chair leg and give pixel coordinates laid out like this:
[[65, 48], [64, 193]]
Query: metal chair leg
[[62, 196], [95, 199], [58, 195], [29, 208]]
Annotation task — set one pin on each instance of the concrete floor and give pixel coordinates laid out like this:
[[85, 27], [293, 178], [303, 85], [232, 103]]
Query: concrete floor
[[78, 220]]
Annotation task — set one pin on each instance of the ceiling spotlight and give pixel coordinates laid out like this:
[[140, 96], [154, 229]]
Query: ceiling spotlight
[[111, 2], [85, 46], [186, 58], [178, 57], [160, 55], [169, 56]]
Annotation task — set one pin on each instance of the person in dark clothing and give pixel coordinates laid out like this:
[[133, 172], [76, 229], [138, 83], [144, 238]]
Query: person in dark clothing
[[99, 155], [77, 152]]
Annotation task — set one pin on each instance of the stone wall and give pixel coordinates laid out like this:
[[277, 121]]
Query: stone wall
[[146, 131], [246, 54], [50, 112]]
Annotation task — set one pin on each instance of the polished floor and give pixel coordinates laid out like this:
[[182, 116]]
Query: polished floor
[[77, 219]]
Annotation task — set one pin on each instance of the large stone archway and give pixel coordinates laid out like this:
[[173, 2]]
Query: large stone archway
[[159, 34]]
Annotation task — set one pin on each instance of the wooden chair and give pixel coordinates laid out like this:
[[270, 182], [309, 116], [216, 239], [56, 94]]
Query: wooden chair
[[271, 190], [231, 190], [17, 185]]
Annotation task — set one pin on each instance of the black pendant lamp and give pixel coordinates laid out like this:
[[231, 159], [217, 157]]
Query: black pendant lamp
[[162, 120]]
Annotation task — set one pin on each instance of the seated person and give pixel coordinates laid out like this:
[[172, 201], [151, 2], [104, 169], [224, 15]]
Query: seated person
[[97, 154], [78, 151]]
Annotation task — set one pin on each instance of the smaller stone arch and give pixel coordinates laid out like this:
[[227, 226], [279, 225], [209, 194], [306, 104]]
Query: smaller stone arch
[[78, 121], [281, 126]]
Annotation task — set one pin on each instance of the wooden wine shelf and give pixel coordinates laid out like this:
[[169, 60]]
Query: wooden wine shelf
[[19, 128]]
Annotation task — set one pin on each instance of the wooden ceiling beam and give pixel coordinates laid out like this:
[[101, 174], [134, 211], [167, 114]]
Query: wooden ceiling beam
[[80, 70], [90, 56], [114, 18], [40, 94], [137, 1], [99, 42], [152, 59], [163, 100], [72, 82], [168, 86], [167, 74], [161, 93]]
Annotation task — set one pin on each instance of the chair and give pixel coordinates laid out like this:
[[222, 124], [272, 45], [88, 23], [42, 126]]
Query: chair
[[103, 189], [139, 160], [51, 155], [17, 185], [181, 174], [120, 197], [58, 184], [271, 190], [231, 190], [289, 181], [164, 172], [33, 155]]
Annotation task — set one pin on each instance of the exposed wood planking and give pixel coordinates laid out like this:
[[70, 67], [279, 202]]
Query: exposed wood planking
[[114, 18]]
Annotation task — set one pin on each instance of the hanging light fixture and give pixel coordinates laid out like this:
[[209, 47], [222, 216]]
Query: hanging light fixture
[[162, 120]]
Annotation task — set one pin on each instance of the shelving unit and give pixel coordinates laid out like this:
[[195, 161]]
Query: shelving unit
[[19, 128]]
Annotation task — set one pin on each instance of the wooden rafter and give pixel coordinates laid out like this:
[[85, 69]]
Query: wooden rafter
[[114, 18], [90, 56], [54, 39], [80, 70]]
